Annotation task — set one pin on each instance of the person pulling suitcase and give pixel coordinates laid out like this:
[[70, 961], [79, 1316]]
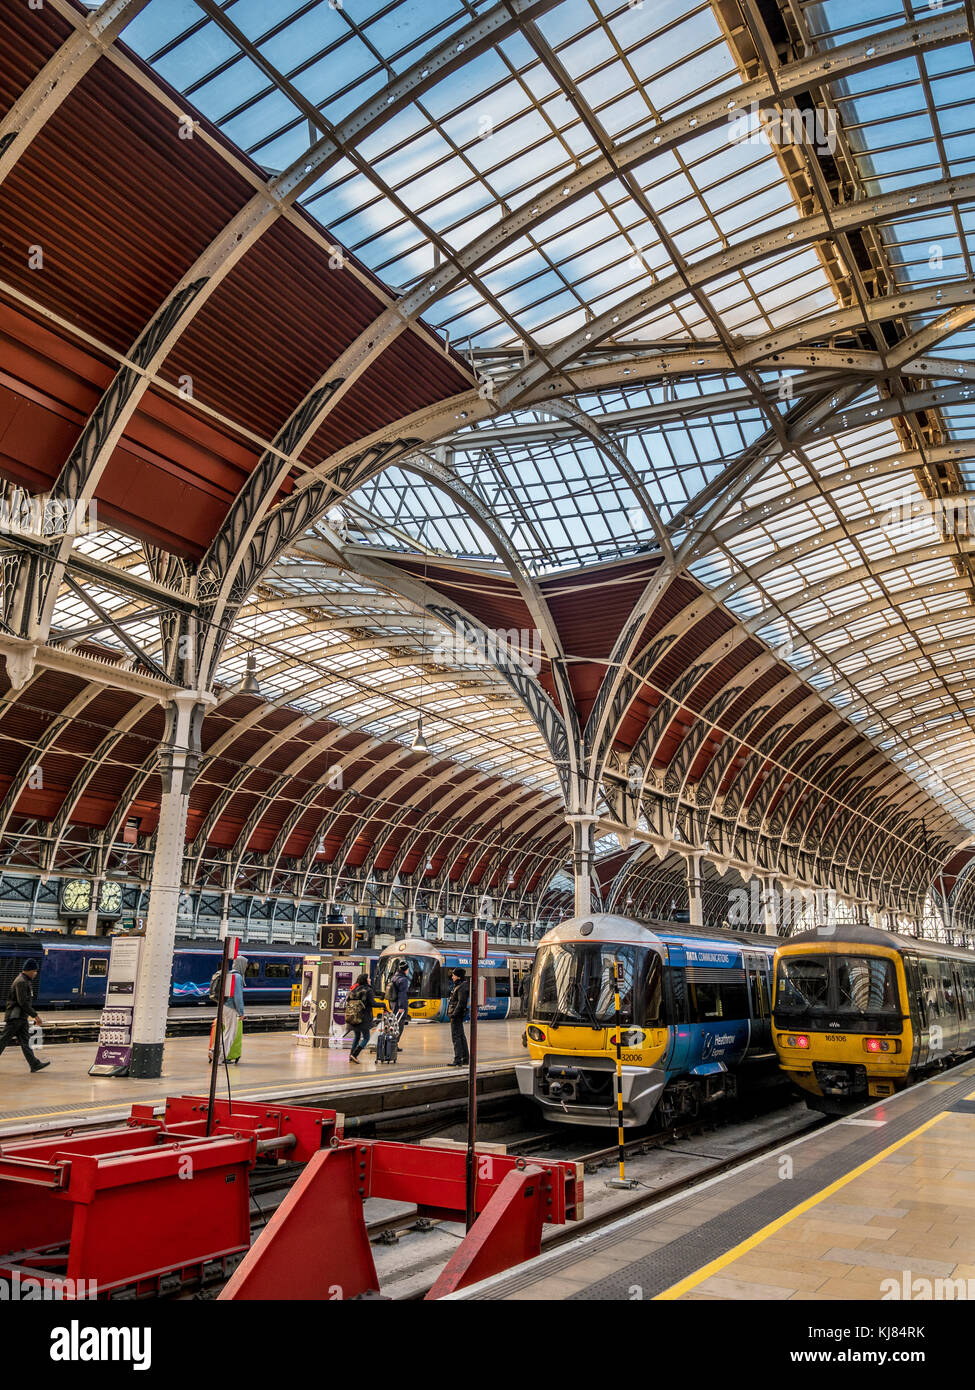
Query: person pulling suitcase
[[387, 1039]]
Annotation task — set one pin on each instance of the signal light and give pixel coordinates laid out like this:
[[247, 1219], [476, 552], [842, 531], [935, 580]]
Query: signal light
[[797, 1040]]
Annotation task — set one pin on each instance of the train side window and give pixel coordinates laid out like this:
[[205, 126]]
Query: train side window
[[710, 1001], [947, 988], [929, 979], [252, 968], [967, 973], [96, 967], [653, 992], [277, 970]]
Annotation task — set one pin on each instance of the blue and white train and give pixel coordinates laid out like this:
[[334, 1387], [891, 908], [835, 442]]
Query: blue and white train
[[74, 970], [694, 1010]]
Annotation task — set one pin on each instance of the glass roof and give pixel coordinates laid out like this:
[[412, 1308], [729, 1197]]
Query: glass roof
[[808, 493]]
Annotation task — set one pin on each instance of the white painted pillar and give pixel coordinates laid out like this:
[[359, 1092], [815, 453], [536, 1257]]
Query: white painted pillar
[[694, 898], [770, 910], [91, 922], [179, 759], [583, 842]]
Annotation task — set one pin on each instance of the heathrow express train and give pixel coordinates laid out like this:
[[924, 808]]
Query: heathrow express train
[[694, 1010], [860, 1013], [502, 971], [73, 972]]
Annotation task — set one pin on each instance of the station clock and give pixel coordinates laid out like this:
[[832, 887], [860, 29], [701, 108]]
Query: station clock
[[109, 899], [75, 896]]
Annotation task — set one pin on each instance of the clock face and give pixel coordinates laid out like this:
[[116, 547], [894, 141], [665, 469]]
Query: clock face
[[76, 895], [110, 898]]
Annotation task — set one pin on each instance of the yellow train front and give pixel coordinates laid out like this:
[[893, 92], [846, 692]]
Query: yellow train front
[[859, 1013]]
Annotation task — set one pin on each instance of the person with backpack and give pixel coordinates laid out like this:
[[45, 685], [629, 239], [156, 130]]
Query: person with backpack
[[456, 1012], [398, 995], [358, 1014], [19, 1012]]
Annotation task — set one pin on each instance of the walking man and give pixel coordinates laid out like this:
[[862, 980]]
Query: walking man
[[456, 1012], [19, 1012]]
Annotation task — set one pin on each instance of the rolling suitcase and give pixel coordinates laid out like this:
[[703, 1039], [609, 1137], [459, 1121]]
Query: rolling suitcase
[[387, 1039]]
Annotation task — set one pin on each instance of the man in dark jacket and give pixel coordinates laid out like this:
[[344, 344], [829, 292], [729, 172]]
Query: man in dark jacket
[[398, 996], [456, 1012], [20, 1010]]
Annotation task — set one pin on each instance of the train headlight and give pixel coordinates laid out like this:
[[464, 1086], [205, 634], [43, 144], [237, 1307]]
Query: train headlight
[[796, 1040], [879, 1045], [535, 1034]]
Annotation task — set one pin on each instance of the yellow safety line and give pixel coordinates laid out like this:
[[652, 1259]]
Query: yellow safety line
[[685, 1285]]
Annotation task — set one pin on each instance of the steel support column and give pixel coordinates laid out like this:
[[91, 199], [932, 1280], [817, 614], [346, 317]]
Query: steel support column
[[179, 760]]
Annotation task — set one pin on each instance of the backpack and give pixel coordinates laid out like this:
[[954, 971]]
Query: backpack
[[355, 1010], [213, 993]]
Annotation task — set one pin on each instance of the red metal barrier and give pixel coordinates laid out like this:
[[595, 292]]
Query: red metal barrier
[[315, 1246], [507, 1232], [149, 1201], [156, 1202]]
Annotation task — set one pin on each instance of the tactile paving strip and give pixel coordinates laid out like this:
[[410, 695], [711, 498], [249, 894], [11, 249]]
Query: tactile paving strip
[[686, 1254]]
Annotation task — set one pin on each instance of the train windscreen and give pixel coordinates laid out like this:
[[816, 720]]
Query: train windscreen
[[837, 991], [425, 976], [573, 982]]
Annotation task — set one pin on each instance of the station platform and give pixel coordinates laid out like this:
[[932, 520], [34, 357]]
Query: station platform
[[879, 1205], [272, 1066]]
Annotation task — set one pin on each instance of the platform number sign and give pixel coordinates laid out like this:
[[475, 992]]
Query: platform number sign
[[336, 937]]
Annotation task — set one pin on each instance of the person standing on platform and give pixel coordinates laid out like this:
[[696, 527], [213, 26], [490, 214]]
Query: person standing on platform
[[232, 1038], [398, 996], [456, 1012], [358, 1014], [19, 1012]]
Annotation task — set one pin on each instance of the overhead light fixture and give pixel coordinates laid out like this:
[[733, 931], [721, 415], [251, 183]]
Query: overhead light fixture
[[250, 685], [419, 744]]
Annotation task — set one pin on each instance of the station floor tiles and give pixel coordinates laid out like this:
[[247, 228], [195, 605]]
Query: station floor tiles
[[272, 1065], [865, 1208]]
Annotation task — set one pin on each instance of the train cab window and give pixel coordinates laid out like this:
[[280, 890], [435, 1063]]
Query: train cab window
[[277, 970], [251, 969], [866, 983], [803, 983], [96, 967]]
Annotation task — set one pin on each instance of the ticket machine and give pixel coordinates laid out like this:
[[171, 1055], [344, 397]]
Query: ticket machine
[[325, 984]]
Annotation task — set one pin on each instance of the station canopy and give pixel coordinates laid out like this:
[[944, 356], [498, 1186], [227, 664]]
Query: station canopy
[[633, 342]]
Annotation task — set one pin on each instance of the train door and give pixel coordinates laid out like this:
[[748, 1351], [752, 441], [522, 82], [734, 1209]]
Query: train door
[[95, 979], [757, 968], [497, 989], [519, 973], [675, 1003]]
